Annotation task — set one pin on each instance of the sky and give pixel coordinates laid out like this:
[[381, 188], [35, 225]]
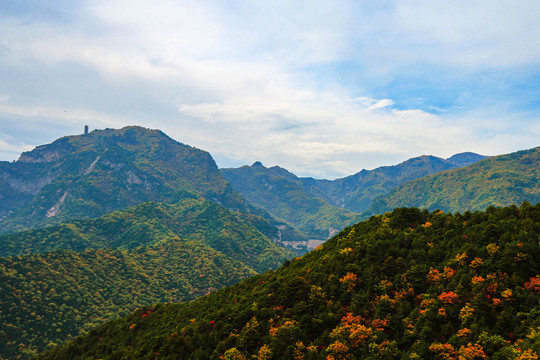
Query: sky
[[321, 88]]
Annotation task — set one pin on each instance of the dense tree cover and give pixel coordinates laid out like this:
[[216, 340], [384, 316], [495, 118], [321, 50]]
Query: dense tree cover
[[189, 218], [408, 284], [499, 180], [151, 252], [46, 299], [280, 191], [281, 194], [90, 175], [356, 192]]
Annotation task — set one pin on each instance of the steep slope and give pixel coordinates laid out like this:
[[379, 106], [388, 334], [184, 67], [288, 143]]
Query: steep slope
[[148, 253], [408, 284], [271, 188], [500, 180], [356, 192], [280, 193], [90, 175]]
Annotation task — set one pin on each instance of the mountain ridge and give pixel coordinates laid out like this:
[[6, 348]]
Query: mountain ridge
[[499, 180]]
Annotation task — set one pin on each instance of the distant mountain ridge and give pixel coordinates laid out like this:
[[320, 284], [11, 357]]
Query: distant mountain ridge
[[321, 207], [355, 192], [499, 181], [281, 194]]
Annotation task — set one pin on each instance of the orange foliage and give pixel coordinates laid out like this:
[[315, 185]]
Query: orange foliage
[[507, 294], [442, 312], [352, 331], [477, 280], [448, 273], [264, 353], [380, 324], [449, 298], [434, 276], [471, 352], [476, 262], [349, 280], [533, 285], [346, 251], [338, 351], [463, 333]]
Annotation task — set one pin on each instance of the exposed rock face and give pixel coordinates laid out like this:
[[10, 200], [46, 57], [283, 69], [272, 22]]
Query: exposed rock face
[[37, 156], [56, 208]]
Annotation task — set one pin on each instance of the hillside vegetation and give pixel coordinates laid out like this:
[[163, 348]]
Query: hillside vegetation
[[499, 180], [46, 299], [231, 233], [410, 284], [79, 274], [298, 199], [280, 193], [87, 176]]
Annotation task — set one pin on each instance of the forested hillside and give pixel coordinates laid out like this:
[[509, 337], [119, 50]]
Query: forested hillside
[[102, 268], [90, 175], [189, 218], [408, 284], [280, 193], [315, 206], [499, 180], [46, 299]]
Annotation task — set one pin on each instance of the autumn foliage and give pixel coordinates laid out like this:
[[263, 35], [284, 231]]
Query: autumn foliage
[[392, 297]]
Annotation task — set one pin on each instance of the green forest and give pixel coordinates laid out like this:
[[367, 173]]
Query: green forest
[[408, 284], [283, 196], [498, 180], [63, 280], [87, 176]]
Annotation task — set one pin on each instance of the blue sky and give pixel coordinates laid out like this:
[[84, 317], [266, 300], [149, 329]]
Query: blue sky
[[322, 88]]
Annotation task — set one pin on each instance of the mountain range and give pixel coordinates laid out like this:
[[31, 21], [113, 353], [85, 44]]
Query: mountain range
[[96, 225], [320, 208], [496, 181]]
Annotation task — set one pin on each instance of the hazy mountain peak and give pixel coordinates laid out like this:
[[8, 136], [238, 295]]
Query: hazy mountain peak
[[465, 158]]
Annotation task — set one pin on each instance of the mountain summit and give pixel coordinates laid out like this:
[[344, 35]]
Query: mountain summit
[[89, 175]]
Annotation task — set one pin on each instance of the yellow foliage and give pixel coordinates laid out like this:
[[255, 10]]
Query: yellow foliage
[[466, 312], [264, 353], [527, 355], [443, 351], [492, 249]]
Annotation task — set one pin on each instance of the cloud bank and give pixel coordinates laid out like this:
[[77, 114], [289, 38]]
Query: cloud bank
[[321, 88]]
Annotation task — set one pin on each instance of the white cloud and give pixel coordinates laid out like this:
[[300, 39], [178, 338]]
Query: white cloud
[[247, 81]]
